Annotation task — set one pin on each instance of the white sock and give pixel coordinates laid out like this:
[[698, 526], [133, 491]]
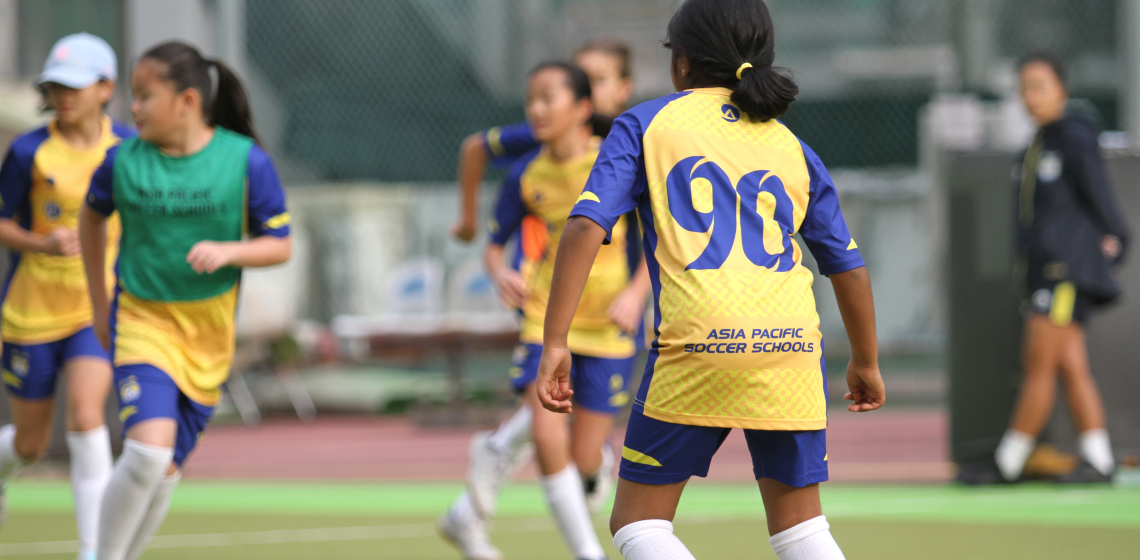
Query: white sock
[[1013, 452], [514, 433], [810, 540], [567, 503], [155, 515], [129, 493], [1095, 448], [10, 461], [652, 539], [463, 510], [90, 470]]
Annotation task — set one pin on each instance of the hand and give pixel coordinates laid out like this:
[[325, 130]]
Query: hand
[[206, 257], [464, 230], [511, 287], [1110, 246], [866, 386], [102, 328], [628, 309], [553, 381], [63, 242]]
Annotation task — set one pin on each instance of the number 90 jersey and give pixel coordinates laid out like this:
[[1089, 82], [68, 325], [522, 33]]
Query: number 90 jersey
[[720, 197]]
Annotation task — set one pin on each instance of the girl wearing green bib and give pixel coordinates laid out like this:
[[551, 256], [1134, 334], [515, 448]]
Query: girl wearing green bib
[[199, 200]]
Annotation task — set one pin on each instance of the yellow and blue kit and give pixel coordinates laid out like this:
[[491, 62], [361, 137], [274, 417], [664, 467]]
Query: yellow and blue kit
[[543, 189], [508, 143], [172, 329], [737, 335], [45, 318]]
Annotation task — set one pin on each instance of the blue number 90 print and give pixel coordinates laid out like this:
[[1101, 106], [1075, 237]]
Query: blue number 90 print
[[721, 219]]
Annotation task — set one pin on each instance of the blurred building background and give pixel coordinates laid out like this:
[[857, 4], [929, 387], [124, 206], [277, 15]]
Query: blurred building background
[[364, 104]]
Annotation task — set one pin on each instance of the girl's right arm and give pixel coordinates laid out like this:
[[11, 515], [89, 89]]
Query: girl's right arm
[[472, 165], [508, 282], [61, 241], [857, 306], [93, 240]]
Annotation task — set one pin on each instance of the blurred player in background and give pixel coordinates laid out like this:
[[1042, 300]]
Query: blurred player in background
[[188, 189], [46, 315], [721, 188], [608, 64], [1070, 237], [545, 184]]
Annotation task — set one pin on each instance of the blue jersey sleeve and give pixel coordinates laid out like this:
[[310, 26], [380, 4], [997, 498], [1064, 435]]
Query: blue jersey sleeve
[[122, 131], [267, 212], [824, 230], [510, 209], [100, 196], [617, 180], [16, 173], [506, 144]]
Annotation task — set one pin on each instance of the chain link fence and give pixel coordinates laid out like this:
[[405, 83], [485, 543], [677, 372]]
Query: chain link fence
[[387, 90]]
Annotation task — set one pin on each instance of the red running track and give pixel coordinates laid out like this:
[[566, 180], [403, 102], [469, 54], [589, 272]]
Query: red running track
[[883, 446]]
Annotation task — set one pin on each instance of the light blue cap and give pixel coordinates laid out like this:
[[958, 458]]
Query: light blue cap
[[78, 61]]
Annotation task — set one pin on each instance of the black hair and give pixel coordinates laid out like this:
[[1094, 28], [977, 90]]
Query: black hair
[[226, 105], [1047, 58], [579, 84], [719, 36], [617, 49]]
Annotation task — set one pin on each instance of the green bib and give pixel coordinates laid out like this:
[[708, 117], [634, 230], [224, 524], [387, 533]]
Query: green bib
[[168, 204]]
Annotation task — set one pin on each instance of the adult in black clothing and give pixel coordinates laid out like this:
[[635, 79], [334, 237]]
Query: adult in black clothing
[[1070, 238]]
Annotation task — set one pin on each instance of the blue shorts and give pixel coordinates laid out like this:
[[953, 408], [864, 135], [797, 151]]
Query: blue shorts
[[658, 452], [600, 384], [30, 370], [146, 392]]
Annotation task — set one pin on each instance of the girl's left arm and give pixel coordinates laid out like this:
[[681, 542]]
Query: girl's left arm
[[267, 250]]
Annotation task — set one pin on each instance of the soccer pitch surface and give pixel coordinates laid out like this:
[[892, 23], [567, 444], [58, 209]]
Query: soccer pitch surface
[[285, 520]]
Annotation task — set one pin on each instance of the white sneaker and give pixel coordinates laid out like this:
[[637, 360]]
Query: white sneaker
[[470, 538], [3, 504], [489, 469], [86, 555], [597, 496]]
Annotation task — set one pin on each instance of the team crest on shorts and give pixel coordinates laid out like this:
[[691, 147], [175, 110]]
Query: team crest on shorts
[[20, 363], [520, 355], [129, 389]]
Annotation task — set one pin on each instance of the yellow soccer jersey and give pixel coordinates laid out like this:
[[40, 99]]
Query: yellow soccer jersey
[[546, 189], [43, 183], [720, 197]]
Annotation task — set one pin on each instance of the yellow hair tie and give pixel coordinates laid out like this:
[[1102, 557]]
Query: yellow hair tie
[[740, 70]]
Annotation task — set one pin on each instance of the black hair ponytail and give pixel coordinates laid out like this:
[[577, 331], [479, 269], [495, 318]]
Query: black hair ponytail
[[579, 83], [225, 105], [731, 43]]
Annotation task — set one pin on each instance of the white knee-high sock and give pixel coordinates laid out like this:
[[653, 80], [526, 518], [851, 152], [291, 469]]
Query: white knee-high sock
[[129, 493], [652, 539], [810, 540], [10, 461], [1096, 449], [1013, 452], [567, 503], [155, 515], [90, 470], [514, 433]]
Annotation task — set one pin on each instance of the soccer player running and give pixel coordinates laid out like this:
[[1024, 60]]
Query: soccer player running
[[46, 315], [188, 189], [721, 186], [546, 184], [1070, 237]]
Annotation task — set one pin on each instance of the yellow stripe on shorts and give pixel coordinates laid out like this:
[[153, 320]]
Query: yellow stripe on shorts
[[1064, 298], [638, 457]]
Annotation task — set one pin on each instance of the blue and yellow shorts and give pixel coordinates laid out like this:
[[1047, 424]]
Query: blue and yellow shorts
[[30, 370], [146, 392], [658, 452], [600, 384]]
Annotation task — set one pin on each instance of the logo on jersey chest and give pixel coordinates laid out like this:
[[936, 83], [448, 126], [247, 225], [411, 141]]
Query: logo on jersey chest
[[52, 210], [1049, 167]]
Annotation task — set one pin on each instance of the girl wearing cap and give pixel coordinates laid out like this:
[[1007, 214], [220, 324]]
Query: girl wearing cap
[[45, 314], [198, 200]]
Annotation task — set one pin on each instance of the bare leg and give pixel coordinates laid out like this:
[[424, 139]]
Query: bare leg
[[88, 382], [32, 419], [788, 506], [1042, 358], [641, 502], [1084, 398], [590, 431], [551, 436]]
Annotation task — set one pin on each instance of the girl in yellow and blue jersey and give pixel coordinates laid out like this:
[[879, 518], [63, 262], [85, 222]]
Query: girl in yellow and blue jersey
[[545, 184], [721, 187], [45, 318], [198, 200]]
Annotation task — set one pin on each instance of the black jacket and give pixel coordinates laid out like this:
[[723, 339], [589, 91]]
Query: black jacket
[[1065, 208]]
